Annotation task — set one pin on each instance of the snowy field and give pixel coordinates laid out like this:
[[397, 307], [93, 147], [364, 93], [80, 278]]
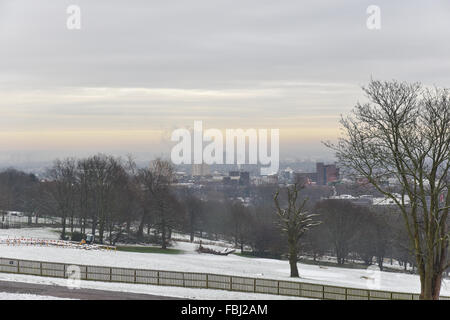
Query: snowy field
[[192, 261], [26, 296], [41, 233]]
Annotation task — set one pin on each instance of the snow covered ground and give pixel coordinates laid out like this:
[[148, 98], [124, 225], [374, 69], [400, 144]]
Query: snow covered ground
[[41, 233], [195, 262], [26, 296], [175, 292]]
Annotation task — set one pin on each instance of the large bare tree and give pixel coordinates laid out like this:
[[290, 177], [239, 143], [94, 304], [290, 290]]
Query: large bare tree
[[403, 133], [156, 182], [62, 189]]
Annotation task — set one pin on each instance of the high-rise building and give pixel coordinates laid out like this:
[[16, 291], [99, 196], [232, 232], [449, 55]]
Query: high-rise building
[[326, 173], [321, 173]]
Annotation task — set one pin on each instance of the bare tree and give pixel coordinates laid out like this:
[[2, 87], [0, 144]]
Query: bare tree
[[294, 221], [403, 132], [99, 180], [62, 188], [241, 223], [155, 183], [341, 219], [194, 210]]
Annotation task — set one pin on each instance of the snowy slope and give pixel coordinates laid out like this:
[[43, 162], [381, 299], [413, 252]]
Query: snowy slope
[[230, 265]]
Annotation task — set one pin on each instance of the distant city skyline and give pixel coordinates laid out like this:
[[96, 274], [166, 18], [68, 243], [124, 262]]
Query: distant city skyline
[[136, 71]]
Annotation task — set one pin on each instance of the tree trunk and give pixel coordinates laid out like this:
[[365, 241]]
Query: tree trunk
[[437, 281], [94, 226], [293, 265], [192, 228], [163, 235], [101, 230], [430, 286], [380, 263], [293, 253], [140, 233], [63, 232]]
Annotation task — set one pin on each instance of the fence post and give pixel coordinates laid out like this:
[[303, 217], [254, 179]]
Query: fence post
[[157, 277], [278, 287], [135, 278], [207, 281], [323, 292], [184, 282], [231, 283], [110, 274], [18, 267], [254, 285], [40, 267], [346, 295]]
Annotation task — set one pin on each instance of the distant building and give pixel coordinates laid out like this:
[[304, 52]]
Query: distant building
[[244, 178], [262, 180], [326, 173], [304, 178], [200, 170], [386, 201], [369, 200], [360, 200], [239, 177]]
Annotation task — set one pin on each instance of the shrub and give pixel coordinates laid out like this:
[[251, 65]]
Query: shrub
[[77, 236]]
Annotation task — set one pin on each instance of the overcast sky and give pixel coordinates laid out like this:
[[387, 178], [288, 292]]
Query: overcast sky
[[139, 69]]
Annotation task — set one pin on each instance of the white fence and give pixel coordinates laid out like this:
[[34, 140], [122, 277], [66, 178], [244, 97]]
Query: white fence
[[201, 280]]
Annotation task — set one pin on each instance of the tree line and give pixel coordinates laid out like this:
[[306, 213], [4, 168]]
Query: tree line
[[115, 200]]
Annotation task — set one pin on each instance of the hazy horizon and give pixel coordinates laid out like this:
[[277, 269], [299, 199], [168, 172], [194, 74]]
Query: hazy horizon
[[133, 73]]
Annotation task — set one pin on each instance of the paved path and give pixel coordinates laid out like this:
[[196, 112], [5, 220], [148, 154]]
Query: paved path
[[84, 294]]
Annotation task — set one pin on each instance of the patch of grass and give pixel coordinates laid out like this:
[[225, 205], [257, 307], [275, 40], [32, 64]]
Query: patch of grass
[[346, 265], [255, 255], [245, 255], [148, 250]]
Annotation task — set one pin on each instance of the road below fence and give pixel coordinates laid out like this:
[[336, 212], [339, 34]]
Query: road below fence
[[198, 280], [79, 293]]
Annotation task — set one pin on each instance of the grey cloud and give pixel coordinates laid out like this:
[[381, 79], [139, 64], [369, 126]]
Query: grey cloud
[[313, 55]]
